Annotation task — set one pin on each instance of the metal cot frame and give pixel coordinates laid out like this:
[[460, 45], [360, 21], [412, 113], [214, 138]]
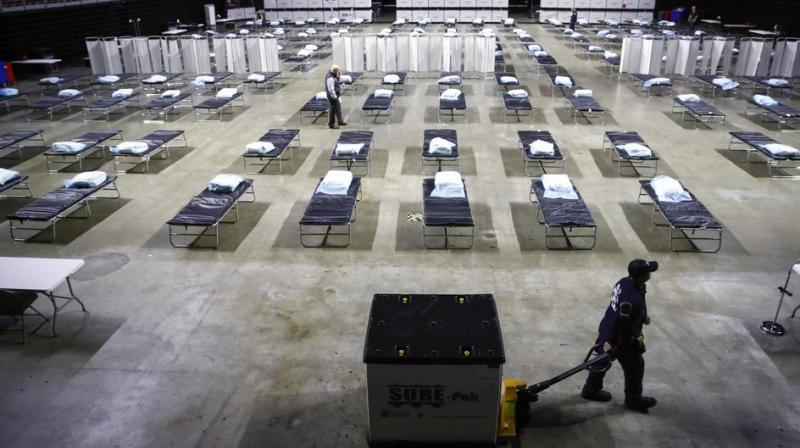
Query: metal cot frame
[[265, 161], [121, 105], [773, 165], [306, 230], [38, 137], [69, 159], [446, 233], [210, 111], [194, 236], [164, 112], [66, 214], [690, 234], [752, 108], [543, 162], [635, 164], [587, 114], [136, 159], [709, 119], [559, 232]]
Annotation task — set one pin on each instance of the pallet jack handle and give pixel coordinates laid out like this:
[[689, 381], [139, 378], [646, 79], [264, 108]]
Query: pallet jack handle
[[599, 363]]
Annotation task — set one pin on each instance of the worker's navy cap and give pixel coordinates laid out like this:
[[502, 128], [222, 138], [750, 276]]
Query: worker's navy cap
[[638, 267]]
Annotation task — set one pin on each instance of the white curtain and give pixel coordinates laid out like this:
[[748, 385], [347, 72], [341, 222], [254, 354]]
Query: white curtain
[[485, 54], [435, 53], [446, 50], [371, 53], [402, 60], [94, 46], [129, 62], [111, 57], [686, 57], [154, 50], [672, 56], [785, 61], [413, 53], [470, 54], [340, 46], [234, 48], [424, 53], [357, 54], [170, 52]]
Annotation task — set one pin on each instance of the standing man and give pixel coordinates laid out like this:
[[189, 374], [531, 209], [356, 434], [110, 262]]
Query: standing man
[[693, 16], [573, 20], [620, 334], [334, 93]]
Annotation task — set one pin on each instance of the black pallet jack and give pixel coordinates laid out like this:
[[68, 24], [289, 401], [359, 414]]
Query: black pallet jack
[[517, 396]]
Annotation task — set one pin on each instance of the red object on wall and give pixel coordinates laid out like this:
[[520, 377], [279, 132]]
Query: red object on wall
[[9, 72]]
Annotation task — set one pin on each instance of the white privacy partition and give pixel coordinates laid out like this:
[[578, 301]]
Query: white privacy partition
[[630, 55], [262, 54], [686, 56], [196, 56], [403, 58], [104, 55], [652, 53], [753, 57], [171, 54], [717, 55], [785, 61], [154, 53], [220, 55], [236, 61], [130, 64]]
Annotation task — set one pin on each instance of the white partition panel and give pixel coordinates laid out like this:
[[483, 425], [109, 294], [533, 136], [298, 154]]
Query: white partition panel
[[405, 14], [485, 14], [363, 4], [328, 4], [466, 15], [237, 60], [315, 4], [300, 4], [597, 4], [645, 15], [452, 4], [629, 16], [419, 3], [340, 45], [549, 4], [435, 53], [402, 51], [269, 4], [545, 15], [328, 15], [785, 61], [284, 4], [364, 14], [189, 55], [564, 16], [285, 15], [582, 4], [468, 3], [94, 46], [671, 56], [613, 4], [647, 4], [111, 56], [437, 15], [499, 4], [371, 53], [220, 55], [686, 57], [419, 14], [565, 3], [499, 15], [614, 15], [148, 51], [596, 16], [435, 3], [129, 62], [262, 54], [347, 4]]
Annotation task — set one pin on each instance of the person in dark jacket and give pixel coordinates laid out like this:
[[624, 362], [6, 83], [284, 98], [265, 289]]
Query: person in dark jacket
[[620, 334], [573, 20], [333, 91], [692, 19]]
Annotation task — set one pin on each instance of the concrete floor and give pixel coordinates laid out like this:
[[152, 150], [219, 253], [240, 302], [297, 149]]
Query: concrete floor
[[260, 343]]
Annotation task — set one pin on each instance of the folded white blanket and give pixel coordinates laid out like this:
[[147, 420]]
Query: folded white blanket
[[451, 31], [541, 148], [418, 31], [171, 94], [276, 23], [777, 82], [68, 93], [51, 80], [228, 92], [778, 149], [68, 147], [132, 147], [540, 53], [8, 91], [383, 93], [564, 81], [764, 100], [534, 47], [269, 35], [204, 79], [259, 148], [450, 94], [87, 179], [477, 21], [256, 77], [568, 31], [347, 79], [385, 31], [669, 190], [343, 31], [509, 80], [448, 184], [657, 82], [225, 183], [725, 83], [122, 93], [595, 48], [603, 32], [576, 36], [582, 22], [636, 149], [348, 149], [108, 79], [156, 79], [451, 79], [508, 22], [335, 182], [586, 93], [517, 93], [555, 22], [7, 175], [279, 32], [311, 47], [689, 98], [487, 33], [558, 186], [304, 52], [699, 33], [399, 22], [299, 22], [441, 146], [302, 34], [321, 96], [311, 31], [391, 79], [637, 32], [610, 36], [244, 31], [609, 54]]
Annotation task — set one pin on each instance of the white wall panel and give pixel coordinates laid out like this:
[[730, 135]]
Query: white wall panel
[[647, 4], [582, 3], [435, 3], [614, 4], [404, 4], [596, 16], [499, 15], [597, 4], [405, 14], [549, 4], [452, 3], [468, 3], [565, 3], [300, 4], [499, 4], [419, 3], [347, 4]]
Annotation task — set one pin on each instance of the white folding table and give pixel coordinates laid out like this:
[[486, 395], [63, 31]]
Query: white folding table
[[41, 276], [51, 64], [763, 33]]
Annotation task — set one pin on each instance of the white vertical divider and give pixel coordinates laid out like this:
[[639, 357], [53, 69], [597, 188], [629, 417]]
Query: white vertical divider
[[154, 53], [94, 47]]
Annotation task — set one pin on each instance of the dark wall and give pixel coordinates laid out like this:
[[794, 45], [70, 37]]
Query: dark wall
[[764, 13], [63, 30]]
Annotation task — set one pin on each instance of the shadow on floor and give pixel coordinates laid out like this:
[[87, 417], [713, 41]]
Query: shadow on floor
[[409, 233], [609, 168], [530, 234], [69, 229], [377, 165], [288, 167], [515, 166], [231, 235], [363, 230], [412, 162]]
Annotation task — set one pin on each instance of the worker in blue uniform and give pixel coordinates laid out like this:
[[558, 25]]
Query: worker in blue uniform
[[620, 335]]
